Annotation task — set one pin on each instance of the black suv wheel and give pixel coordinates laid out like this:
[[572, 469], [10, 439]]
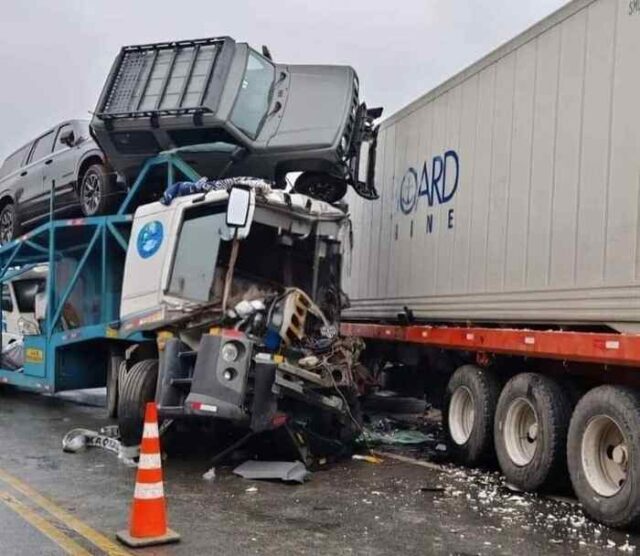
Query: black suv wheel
[[97, 192], [321, 186], [9, 225]]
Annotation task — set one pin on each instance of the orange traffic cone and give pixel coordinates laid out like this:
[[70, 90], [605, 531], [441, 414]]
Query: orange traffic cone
[[148, 522]]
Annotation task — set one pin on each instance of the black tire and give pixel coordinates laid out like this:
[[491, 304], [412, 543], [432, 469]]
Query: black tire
[[395, 404], [113, 373], [321, 186], [530, 433], [622, 405], [483, 387], [137, 388], [10, 227], [97, 192]]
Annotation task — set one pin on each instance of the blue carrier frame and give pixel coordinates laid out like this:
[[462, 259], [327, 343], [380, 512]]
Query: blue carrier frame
[[60, 359]]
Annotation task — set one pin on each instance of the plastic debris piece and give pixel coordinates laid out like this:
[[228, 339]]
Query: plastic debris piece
[[287, 471], [396, 437], [210, 475]]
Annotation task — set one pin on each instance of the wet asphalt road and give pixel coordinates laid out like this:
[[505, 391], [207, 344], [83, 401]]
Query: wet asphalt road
[[350, 508]]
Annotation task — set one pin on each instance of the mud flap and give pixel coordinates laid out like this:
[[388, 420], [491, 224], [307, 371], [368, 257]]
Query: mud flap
[[265, 402]]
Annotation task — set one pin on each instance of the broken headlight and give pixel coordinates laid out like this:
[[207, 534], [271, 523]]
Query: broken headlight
[[230, 352]]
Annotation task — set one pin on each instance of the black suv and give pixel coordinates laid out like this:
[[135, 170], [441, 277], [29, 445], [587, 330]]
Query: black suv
[[67, 155]]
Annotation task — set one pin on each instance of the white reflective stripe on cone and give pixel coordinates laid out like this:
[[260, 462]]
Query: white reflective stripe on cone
[[150, 430], [149, 461], [148, 491]]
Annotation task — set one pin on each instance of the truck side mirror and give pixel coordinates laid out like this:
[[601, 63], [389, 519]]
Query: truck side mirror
[[68, 138], [240, 209]]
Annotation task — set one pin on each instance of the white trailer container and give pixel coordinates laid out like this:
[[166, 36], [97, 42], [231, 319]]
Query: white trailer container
[[503, 259], [512, 191]]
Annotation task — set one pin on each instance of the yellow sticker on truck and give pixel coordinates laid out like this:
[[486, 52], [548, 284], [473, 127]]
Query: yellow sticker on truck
[[34, 355]]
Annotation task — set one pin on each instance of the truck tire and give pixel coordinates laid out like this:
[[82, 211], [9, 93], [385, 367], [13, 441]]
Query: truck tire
[[530, 432], [97, 192], [470, 403], [603, 452], [113, 372], [138, 387], [398, 405]]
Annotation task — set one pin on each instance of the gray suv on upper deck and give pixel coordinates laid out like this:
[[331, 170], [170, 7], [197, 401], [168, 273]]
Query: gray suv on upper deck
[[67, 155], [276, 118]]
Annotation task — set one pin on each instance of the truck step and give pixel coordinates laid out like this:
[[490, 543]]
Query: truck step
[[181, 381]]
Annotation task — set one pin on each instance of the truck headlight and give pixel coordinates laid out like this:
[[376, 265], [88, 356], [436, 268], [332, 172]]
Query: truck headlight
[[230, 352], [344, 144]]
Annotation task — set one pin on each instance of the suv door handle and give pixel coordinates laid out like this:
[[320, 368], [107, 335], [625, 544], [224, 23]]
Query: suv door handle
[[49, 161], [23, 174]]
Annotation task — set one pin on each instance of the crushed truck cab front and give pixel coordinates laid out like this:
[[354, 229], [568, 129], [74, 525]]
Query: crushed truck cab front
[[241, 286]]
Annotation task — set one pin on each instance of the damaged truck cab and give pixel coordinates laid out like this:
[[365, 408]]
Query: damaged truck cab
[[240, 287]]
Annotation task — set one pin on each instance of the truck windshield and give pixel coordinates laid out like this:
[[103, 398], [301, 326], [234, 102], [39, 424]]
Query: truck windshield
[[197, 252], [253, 99]]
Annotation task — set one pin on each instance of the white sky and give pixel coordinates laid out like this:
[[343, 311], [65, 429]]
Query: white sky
[[55, 54]]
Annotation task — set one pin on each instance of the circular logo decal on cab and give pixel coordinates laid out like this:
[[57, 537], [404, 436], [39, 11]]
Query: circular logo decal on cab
[[150, 239]]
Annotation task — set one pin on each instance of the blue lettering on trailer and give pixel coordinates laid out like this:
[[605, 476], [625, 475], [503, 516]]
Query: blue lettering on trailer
[[150, 239], [438, 182]]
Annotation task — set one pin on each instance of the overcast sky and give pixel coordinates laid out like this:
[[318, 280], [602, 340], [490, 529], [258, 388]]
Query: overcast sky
[[55, 54]]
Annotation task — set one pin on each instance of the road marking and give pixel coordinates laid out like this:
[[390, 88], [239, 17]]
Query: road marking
[[72, 522], [44, 526]]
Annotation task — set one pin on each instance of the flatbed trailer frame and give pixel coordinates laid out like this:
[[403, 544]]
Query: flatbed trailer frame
[[586, 347]]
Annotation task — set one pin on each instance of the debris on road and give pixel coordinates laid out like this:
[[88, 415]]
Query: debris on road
[[78, 440], [286, 471], [367, 458], [209, 475]]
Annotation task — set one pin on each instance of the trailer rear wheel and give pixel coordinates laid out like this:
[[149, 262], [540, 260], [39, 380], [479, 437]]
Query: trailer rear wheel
[[530, 432], [470, 403], [138, 387], [604, 448]]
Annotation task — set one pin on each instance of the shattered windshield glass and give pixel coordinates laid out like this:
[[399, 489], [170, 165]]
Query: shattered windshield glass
[[253, 99], [196, 253]]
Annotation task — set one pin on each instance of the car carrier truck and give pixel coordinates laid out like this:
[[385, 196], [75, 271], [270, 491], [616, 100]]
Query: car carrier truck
[[239, 286], [503, 258]]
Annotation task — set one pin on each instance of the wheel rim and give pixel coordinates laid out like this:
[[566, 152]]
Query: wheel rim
[[520, 432], [323, 190], [605, 456], [461, 415], [6, 225], [91, 191]]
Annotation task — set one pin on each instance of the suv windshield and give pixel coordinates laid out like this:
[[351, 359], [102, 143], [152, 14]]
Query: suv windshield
[[253, 100], [197, 253]]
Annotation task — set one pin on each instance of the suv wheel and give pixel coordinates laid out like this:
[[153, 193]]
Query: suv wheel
[[321, 186], [97, 192], [9, 226]]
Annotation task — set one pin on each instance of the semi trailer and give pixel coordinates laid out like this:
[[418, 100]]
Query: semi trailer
[[501, 264]]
